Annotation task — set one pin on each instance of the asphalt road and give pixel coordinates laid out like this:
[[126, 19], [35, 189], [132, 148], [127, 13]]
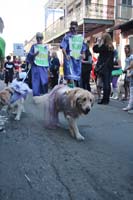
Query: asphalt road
[[41, 164]]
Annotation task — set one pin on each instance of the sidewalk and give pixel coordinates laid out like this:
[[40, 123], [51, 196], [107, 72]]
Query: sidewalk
[[114, 103]]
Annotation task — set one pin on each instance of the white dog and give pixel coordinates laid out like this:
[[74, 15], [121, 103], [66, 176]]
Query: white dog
[[71, 101], [14, 96]]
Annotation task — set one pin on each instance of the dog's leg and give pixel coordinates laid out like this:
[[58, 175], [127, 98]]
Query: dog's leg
[[23, 109], [74, 128], [19, 109]]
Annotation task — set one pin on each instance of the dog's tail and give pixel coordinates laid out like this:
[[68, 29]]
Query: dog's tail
[[44, 103]]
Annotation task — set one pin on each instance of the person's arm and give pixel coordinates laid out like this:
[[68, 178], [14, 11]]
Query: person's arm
[[96, 48], [99, 47], [31, 55], [117, 66], [32, 52], [63, 46], [65, 54], [130, 66], [84, 48], [89, 59]]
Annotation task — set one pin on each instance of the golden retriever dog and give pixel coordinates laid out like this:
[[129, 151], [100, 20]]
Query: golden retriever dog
[[13, 97], [73, 102]]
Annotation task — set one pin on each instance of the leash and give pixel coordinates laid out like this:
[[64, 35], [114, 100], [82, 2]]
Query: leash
[[26, 74]]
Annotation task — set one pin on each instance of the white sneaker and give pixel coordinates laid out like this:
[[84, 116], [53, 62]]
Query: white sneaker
[[114, 96], [126, 108], [130, 111]]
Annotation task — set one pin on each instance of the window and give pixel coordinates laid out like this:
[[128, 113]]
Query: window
[[124, 1], [87, 2], [127, 2]]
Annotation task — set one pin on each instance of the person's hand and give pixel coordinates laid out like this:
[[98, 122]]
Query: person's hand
[[35, 54], [124, 71], [129, 75], [67, 57], [83, 61], [82, 56]]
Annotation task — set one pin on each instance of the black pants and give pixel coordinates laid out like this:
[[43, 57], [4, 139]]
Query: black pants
[[85, 80], [8, 76], [54, 80], [106, 78]]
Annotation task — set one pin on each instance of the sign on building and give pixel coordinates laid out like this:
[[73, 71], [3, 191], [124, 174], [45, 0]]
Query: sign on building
[[18, 49]]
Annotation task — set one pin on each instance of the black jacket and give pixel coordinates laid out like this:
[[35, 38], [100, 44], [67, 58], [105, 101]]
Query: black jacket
[[105, 56], [87, 67]]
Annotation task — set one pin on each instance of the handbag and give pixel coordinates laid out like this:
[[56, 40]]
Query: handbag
[[117, 72], [98, 68]]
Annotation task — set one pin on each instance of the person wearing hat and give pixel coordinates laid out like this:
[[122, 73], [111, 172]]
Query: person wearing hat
[[73, 49], [38, 58]]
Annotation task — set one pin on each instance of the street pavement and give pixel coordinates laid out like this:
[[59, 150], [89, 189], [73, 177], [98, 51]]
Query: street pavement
[[2, 84], [42, 164]]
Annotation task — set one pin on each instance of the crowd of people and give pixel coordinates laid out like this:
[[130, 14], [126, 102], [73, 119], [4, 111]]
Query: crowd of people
[[80, 66]]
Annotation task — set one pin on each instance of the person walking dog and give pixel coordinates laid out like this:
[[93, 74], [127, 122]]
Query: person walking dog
[[38, 58]]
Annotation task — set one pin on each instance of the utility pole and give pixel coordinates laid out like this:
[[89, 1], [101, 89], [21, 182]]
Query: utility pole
[[65, 14], [83, 18]]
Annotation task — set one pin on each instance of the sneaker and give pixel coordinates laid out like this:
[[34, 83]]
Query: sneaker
[[116, 97], [130, 111], [124, 99], [126, 108]]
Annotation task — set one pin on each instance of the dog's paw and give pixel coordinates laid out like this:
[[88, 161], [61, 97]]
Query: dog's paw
[[80, 137], [17, 118], [14, 112]]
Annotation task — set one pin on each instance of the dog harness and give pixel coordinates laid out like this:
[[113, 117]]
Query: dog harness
[[20, 90]]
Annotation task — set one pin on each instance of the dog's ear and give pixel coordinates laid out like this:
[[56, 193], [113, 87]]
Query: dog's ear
[[74, 95]]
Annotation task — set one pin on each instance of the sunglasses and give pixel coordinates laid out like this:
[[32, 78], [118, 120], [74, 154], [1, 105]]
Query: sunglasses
[[39, 38]]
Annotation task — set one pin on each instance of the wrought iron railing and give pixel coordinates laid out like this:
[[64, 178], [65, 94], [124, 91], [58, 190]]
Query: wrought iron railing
[[91, 11]]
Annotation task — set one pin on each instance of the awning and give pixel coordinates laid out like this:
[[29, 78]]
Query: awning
[[90, 25], [86, 26], [124, 27]]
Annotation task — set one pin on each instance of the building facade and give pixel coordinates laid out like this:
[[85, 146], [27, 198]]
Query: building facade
[[94, 18]]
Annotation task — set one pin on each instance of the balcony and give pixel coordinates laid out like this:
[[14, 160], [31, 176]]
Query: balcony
[[91, 11], [124, 12]]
